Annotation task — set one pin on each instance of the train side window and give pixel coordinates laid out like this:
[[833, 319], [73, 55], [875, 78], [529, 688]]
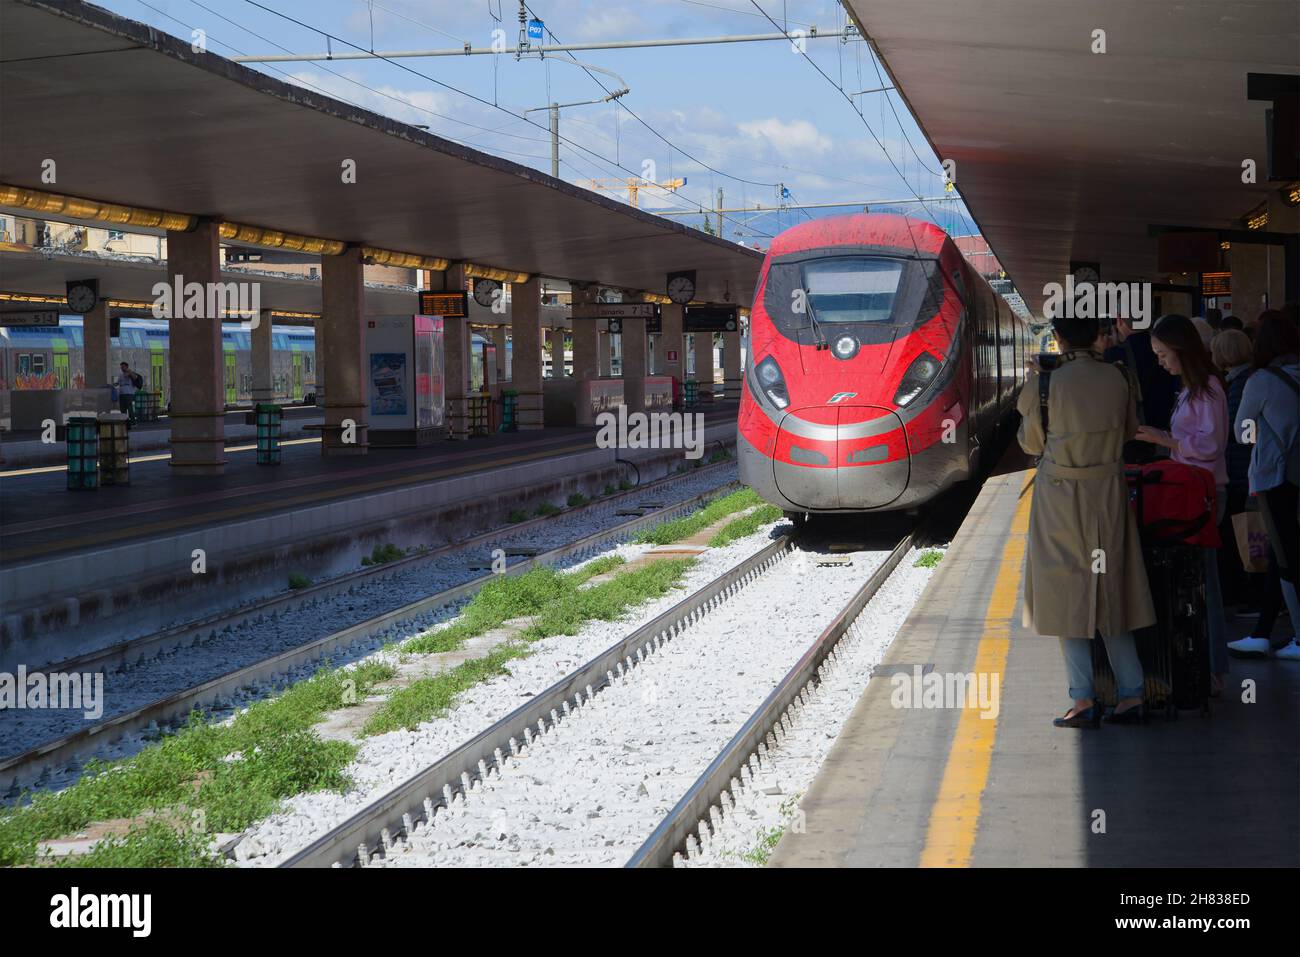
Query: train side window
[[24, 363], [38, 364]]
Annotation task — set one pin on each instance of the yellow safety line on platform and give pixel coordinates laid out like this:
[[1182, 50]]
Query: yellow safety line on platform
[[137, 459], [954, 819], [346, 491]]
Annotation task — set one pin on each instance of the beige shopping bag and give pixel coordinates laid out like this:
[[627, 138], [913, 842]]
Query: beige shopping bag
[[1252, 541]]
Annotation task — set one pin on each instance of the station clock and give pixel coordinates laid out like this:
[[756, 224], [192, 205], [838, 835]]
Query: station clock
[[681, 286], [83, 295], [484, 290]]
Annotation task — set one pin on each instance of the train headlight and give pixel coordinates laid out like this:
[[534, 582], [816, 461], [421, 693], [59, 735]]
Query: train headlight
[[918, 375], [845, 347], [772, 382]]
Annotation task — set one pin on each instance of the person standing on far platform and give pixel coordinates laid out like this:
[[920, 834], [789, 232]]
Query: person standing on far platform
[[126, 392], [1084, 574]]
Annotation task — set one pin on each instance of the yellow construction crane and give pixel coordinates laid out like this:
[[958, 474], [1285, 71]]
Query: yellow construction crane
[[633, 185]]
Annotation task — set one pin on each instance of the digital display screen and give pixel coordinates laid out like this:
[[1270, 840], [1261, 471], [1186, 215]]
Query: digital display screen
[[450, 305], [1216, 283]]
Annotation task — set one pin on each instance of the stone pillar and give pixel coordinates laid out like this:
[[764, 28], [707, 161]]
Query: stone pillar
[[342, 329], [263, 387], [586, 348], [731, 381], [634, 363], [671, 355], [557, 353], [198, 420], [704, 363], [499, 338], [95, 331], [526, 334], [456, 346]]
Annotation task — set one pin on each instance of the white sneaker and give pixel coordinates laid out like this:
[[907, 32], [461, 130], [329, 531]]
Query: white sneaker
[[1291, 652], [1255, 647]]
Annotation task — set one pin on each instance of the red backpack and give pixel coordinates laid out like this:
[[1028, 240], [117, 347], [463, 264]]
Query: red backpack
[[1174, 503]]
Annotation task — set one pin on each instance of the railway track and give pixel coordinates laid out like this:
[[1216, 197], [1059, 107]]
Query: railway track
[[34, 764], [382, 830]]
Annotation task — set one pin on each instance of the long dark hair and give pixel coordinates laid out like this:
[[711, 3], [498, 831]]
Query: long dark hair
[[1179, 334], [1275, 336]]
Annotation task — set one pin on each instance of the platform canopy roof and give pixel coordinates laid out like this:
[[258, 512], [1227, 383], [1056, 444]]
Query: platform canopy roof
[[1065, 154], [133, 116], [36, 272]]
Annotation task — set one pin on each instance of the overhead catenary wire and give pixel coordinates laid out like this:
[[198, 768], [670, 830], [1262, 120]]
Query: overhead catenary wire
[[444, 84]]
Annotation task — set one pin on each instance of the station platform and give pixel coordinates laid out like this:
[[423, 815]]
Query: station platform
[[25, 450], [936, 787], [82, 565]]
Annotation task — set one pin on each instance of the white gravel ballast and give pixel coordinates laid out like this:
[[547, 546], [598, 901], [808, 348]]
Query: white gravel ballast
[[589, 791]]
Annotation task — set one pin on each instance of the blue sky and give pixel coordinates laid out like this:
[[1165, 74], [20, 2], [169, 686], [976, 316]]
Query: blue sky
[[759, 114]]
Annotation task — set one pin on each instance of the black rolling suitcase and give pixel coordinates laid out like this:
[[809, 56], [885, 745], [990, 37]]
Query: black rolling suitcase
[[1175, 651]]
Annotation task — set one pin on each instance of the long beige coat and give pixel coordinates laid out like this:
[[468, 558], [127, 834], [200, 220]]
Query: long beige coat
[[1080, 522]]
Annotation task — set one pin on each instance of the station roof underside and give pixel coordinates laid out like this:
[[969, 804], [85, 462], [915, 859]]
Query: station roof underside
[[38, 272], [1064, 154], [133, 116]]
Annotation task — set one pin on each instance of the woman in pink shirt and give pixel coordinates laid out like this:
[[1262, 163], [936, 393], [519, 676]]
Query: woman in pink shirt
[[1198, 435]]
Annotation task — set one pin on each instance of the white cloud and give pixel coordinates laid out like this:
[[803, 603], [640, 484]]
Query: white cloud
[[792, 138]]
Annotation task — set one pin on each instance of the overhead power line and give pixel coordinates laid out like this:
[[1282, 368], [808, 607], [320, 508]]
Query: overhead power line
[[470, 50]]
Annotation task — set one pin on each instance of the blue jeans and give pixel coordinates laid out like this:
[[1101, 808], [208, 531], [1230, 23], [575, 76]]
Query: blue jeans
[[1121, 649], [1218, 629]]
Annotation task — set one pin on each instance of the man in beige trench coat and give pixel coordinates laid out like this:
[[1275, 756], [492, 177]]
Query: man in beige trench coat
[[1084, 572]]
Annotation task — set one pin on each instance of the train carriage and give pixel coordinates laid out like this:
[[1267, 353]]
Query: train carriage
[[880, 364]]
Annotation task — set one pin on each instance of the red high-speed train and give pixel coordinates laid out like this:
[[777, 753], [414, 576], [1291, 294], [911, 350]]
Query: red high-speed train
[[878, 364]]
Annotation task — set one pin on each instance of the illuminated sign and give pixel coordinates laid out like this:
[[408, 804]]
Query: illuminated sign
[[449, 305], [1216, 284]]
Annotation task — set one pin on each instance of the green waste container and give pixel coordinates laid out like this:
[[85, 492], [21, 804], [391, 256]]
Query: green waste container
[[268, 433], [509, 409], [145, 406], [690, 394], [82, 438]]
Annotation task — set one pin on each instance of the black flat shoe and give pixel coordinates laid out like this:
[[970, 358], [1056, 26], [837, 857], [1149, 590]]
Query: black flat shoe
[[1089, 718], [1133, 715]]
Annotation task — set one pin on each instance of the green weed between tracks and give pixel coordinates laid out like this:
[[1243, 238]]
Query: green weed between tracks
[[213, 778], [666, 533], [745, 525], [556, 603]]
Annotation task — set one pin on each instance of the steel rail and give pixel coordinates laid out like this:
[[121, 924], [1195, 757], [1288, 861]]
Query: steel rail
[[395, 813], [300, 600], [671, 836], [31, 764]]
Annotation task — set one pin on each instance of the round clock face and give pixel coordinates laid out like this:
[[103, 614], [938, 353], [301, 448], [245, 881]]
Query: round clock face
[[484, 289], [681, 289], [1086, 274], [81, 299]]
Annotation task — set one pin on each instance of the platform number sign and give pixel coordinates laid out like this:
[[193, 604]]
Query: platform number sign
[[536, 29]]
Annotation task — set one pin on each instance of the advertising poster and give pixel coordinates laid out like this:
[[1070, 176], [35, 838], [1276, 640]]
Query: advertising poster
[[388, 383]]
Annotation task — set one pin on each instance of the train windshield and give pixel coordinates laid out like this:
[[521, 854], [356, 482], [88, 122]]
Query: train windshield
[[852, 289]]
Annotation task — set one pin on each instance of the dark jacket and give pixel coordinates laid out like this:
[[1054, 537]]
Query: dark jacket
[[1159, 388]]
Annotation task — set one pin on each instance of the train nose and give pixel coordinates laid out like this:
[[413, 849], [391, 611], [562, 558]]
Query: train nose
[[842, 457]]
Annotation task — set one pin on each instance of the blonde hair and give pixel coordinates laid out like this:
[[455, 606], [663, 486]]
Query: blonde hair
[[1231, 347]]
